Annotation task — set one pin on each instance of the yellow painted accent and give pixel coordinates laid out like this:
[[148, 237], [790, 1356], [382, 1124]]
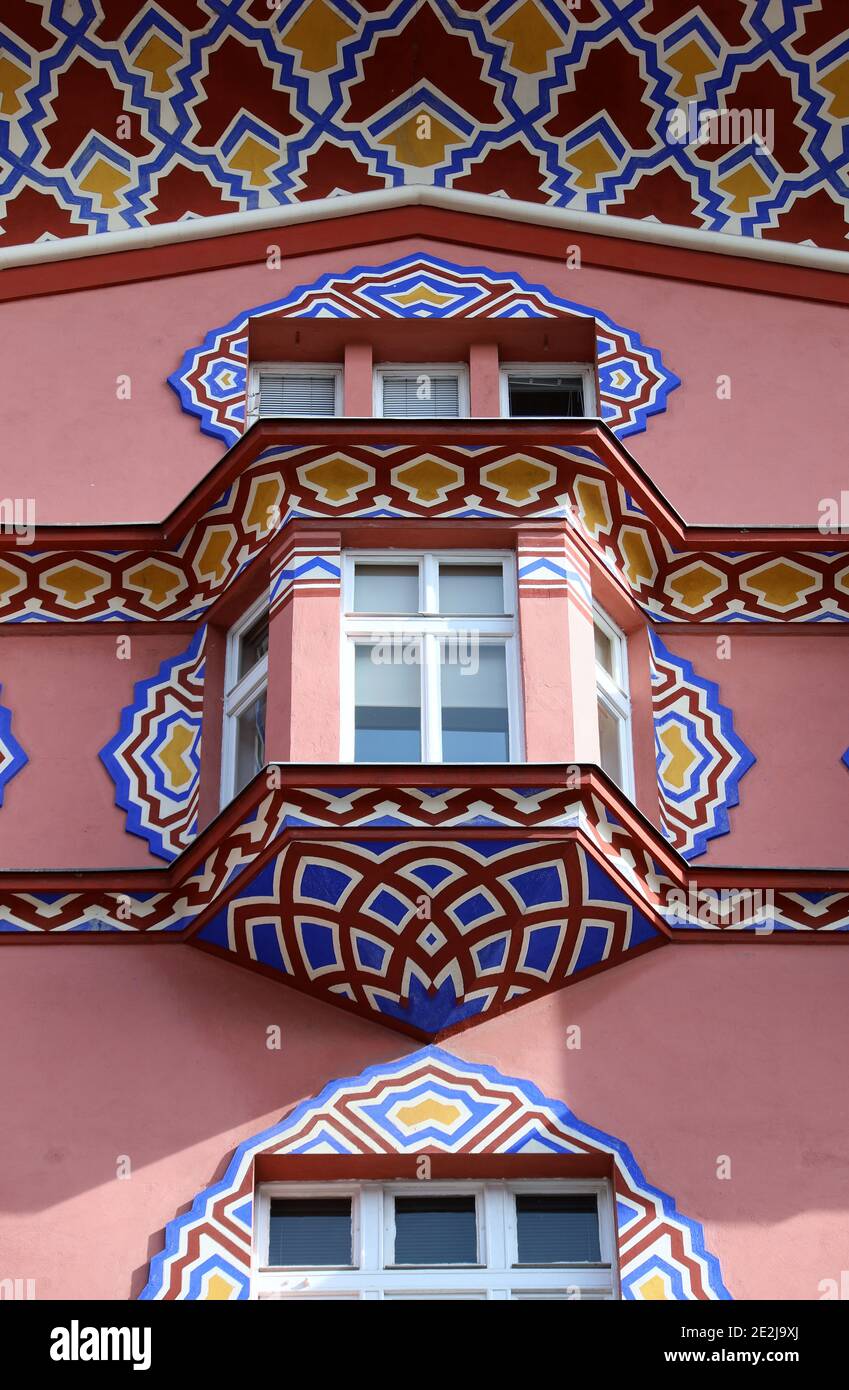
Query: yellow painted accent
[[638, 560], [338, 479], [157, 581], [519, 479], [681, 756], [743, 185], [11, 79], [211, 559], [219, 1288], [695, 585], [10, 580], [837, 82], [531, 38], [591, 161], [690, 61], [782, 585], [75, 583], [420, 294], [430, 1110], [653, 1288], [173, 755], [316, 35], [266, 496], [592, 501], [418, 152], [103, 180], [426, 479], [255, 160], [157, 57]]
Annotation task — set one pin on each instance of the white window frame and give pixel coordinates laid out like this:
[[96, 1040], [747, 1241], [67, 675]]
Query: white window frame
[[584, 370], [614, 693], [430, 627], [239, 695], [292, 369], [497, 1275], [458, 369]]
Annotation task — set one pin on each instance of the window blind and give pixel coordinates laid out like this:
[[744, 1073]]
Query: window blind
[[293, 393], [421, 395]]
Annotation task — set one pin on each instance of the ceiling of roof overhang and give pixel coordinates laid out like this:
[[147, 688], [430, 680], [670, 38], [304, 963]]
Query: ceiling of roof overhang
[[120, 114]]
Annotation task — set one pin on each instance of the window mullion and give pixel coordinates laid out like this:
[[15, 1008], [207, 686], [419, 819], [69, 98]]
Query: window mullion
[[431, 700]]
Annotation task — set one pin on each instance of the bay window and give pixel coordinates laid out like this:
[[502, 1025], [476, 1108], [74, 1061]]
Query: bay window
[[429, 660], [245, 690]]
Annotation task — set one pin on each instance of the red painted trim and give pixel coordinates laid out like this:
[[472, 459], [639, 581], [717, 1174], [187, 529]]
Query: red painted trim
[[362, 229], [387, 1167]]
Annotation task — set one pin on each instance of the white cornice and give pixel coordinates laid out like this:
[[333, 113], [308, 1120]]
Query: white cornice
[[423, 195]]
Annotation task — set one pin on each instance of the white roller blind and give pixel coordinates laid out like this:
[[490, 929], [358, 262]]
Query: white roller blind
[[293, 393], [421, 395]]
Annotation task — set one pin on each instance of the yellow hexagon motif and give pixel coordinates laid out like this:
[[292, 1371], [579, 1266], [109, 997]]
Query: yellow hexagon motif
[[428, 1111], [691, 60], [75, 584], [680, 755], [316, 34], [211, 560], [336, 481], [531, 38], [694, 586], [653, 1288], [639, 563], [427, 480], [12, 580], [743, 186], [420, 140], [592, 504], [518, 480], [157, 582], [220, 1288], [172, 755], [157, 57], [262, 510], [422, 294], [781, 584], [592, 161]]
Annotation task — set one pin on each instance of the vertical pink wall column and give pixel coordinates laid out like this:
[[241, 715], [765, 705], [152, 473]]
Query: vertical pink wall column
[[558, 649], [484, 383], [359, 377], [302, 720]]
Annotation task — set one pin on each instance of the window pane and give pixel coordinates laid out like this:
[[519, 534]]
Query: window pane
[[473, 589], [603, 650], [253, 645], [310, 1232], [546, 395], [435, 1231], [474, 701], [557, 1228], [387, 719], [421, 395], [608, 734], [284, 393], [250, 742], [386, 588]]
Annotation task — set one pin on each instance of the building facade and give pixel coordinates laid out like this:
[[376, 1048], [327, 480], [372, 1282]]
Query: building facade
[[424, 756]]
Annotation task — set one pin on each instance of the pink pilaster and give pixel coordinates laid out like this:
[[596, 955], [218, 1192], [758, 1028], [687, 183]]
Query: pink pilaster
[[359, 368], [558, 650], [484, 397], [302, 722]]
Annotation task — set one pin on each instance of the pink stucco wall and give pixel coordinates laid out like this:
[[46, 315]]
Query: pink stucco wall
[[786, 692], [96, 458], [66, 693], [158, 1053]]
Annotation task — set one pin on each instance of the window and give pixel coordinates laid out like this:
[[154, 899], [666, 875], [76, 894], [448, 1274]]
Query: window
[[563, 390], [614, 705], [245, 684], [280, 389], [464, 1240], [421, 391], [429, 658]]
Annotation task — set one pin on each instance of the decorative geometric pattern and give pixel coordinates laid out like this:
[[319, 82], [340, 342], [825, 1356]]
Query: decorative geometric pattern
[[12, 755], [431, 934], [700, 757], [211, 380], [154, 758], [433, 1102], [305, 569], [235, 105], [675, 574]]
